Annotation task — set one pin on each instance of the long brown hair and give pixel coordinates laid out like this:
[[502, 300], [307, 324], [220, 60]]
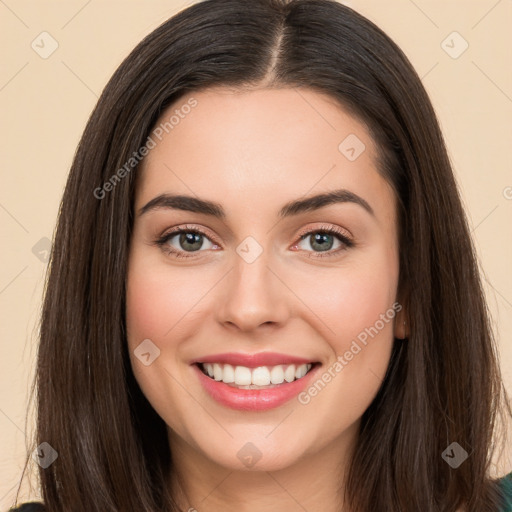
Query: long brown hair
[[443, 384]]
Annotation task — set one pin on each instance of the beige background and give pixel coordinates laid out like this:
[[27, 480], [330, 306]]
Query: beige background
[[45, 104]]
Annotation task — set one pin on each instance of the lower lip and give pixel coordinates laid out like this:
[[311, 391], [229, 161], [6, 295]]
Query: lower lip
[[253, 399]]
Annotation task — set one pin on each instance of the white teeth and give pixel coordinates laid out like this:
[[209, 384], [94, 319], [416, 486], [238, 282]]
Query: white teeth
[[277, 375], [261, 376], [228, 374], [217, 371], [301, 371], [289, 373], [242, 376]]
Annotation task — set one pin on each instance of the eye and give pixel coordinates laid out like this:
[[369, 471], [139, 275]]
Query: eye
[[185, 240], [323, 240]]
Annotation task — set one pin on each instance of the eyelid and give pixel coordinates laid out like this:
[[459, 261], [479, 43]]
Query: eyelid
[[189, 228], [325, 228]]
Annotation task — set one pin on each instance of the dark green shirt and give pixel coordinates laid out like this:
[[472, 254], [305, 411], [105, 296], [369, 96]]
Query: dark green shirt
[[506, 486]]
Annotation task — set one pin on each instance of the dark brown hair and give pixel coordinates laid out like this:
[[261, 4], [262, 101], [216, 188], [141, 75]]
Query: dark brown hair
[[443, 384]]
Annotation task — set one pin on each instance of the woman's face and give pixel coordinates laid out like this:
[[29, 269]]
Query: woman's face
[[263, 279]]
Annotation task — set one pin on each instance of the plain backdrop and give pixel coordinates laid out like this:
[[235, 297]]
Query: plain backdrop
[[57, 57]]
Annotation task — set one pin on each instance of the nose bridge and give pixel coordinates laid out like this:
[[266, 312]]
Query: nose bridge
[[253, 296]]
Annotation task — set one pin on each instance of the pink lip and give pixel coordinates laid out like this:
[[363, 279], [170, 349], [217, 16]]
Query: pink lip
[[253, 399], [252, 360]]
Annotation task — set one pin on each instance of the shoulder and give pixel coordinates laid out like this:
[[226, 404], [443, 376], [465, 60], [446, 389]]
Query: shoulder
[[506, 488], [29, 507]]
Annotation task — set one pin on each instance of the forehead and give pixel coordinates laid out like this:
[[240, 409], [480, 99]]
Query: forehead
[[259, 147]]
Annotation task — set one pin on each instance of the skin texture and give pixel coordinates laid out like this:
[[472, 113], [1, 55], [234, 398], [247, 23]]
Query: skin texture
[[252, 152]]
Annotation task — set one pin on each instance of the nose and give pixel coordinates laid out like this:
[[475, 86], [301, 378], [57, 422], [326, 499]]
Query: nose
[[253, 296]]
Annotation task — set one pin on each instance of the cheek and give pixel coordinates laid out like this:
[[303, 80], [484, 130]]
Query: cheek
[[157, 299], [145, 304], [352, 299], [160, 305], [357, 307]]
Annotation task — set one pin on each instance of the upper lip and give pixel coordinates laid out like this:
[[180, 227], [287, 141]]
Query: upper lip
[[252, 360]]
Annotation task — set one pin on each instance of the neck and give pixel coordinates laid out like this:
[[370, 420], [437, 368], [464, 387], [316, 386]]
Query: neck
[[315, 481]]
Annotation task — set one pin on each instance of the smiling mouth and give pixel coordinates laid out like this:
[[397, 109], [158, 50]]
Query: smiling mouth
[[262, 377]]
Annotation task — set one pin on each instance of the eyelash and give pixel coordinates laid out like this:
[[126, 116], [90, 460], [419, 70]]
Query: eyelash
[[162, 242]]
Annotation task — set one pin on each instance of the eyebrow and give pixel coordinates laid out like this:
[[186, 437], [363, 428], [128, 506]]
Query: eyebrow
[[296, 207]]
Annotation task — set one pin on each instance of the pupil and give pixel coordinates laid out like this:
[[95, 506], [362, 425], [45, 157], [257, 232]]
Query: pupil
[[324, 241], [194, 239]]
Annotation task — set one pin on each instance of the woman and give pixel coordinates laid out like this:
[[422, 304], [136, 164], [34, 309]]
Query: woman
[[263, 293]]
